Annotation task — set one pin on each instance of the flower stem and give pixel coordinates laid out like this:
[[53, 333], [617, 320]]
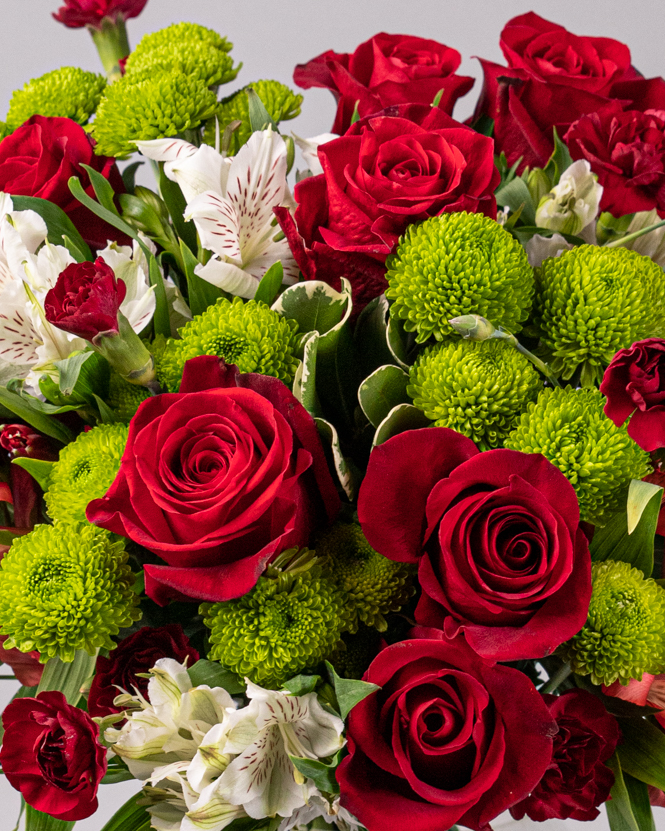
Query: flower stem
[[630, 237], [557, 679], [112, 44]]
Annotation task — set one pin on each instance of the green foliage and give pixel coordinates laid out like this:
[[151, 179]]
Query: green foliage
[[68, 92]]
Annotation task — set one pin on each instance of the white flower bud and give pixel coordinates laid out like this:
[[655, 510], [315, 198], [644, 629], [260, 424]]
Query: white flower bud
[[572, 204]]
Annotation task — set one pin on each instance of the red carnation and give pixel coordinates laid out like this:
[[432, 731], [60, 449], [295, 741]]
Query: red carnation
[[78, 13], [51, 754], [384, 71]]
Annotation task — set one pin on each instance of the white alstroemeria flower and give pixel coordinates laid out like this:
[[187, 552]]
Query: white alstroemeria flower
[[310, 150], [573, 203], [271, 728], [231, 202], [651, 244], [320, 807]]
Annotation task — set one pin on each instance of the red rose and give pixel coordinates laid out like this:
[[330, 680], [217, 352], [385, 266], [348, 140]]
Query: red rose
[[634, 385], [85, 300], [577, 780], [78, 13], [25, 665], [136, 654], [448, 738], [501, 554], [626, 149], [388, 171], [383, 71], [39, 158], [217, 479], [51, 754], [552, 78]]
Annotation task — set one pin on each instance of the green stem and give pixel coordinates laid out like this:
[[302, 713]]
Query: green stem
[[541, 366], [630, 237], [7, 678], [112, 44], [193, 136], [557, 679]]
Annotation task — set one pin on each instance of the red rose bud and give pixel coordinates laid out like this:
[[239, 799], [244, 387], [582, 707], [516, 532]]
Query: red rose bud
[[75, 14], [51, 754], [634, 385], [86, 302]]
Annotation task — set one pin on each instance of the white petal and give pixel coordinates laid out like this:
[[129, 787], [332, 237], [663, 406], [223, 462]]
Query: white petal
[[204, 170], [166, 150], [228, 277], [539, 248], [43, 269], [217, 222], [6, 204], [31, 228], [310, 150], [18, 337]]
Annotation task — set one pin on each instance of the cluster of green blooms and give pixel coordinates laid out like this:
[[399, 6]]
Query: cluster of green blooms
[[250, 335], [479, 388], [124, 398], [68, 92], [458, 264], [591, 302], [624, 635], [568, 426], [63, 588], [84, 471], [281, 103]]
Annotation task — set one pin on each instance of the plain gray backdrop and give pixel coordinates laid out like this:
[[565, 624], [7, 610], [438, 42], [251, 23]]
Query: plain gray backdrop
[[270, 37]]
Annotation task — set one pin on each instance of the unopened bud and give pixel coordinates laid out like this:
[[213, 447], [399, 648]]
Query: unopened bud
[[572, 204], [539, 184], [473, 327]]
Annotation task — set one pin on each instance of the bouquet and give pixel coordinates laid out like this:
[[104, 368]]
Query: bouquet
[[331, 497]]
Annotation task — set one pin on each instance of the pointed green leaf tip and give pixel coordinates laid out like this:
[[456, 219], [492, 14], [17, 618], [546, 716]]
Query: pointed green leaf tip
[[458, 264], [39, 469], [68, 92], [349, 692]]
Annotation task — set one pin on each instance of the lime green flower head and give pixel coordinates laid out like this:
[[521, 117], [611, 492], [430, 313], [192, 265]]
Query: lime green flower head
[[593, 301], [477, 388], [68, 92], [598, 458], [624, 635], [124, 398], [281, 627], [63, 588], [250, 335], [458, 264], [178, 34], [374, 584], [279, 100], [196, 58], [84, 471], [147, 105]]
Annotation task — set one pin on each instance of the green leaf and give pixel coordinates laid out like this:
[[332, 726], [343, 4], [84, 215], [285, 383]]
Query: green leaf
[[349, 692], [104, 213], [629, 808], [36, 821], [201, 293], [102, 188], [259, 117], [215, 675], [370, 336], [130, 817], [643, 752], [315, 305], [437, 98], [483, 125], [401, 418], [7, 537], [270, 284], [345, 473], [304, 381], [383, 390], [395, 341], [161, 320], [355, 116], [640, 803], [68, 678], [302, 684], [73, 249], [513, 195], [59, 225], [69, 370], [39, 469], [614, 541], [559, 161], [129, 176], [321, 774], [106, 414], [23, 408]]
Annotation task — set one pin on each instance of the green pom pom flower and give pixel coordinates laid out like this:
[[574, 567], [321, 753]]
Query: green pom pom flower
[[374, 584], [146, 105], [279, 100], [624, 635], [458, 264], [591, 302], [177, 35], [356, 652], [84, 471], [65, 93], [250, 335], [477, 388], [63, 588], [124, 398], [278, 629], [598, 458], [196, 58]]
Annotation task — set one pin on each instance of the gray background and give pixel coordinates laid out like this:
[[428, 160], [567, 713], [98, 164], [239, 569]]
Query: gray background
[[270, 38]]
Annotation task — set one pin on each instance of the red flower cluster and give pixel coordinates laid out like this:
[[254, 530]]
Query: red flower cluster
[[78, 13]]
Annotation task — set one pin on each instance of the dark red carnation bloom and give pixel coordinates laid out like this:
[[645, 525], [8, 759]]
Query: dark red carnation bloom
[[51, 754], [25, 665], [448, 738], [41, 156], [501, 554], [20, 440], [553, 77], [86, 299], [388, 171], [577, 780], [383, 71], [634, 384], [626, 150], [78, 13], [217, 480], [136, 654]]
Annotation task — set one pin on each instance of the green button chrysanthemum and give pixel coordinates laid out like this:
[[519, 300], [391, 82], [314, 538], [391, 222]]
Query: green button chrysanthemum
[[624, 635], [598, 458], [68, 92], [281, 103], [458, 264], [84, 471], [591, 302], [196, 58], [146, 105], [281, 627], [63, 588], [124, 398], [477, 388], [178, 34], [356, 652], [374, 584], [250, 335]]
